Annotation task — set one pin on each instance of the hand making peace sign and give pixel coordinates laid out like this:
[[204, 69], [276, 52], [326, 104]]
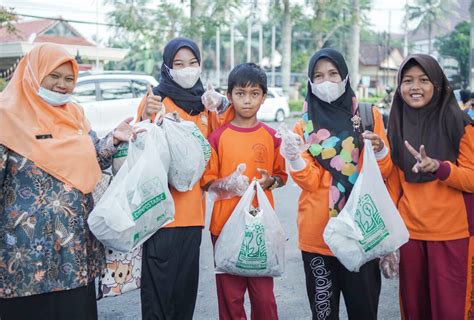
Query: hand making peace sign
[[423, 162]]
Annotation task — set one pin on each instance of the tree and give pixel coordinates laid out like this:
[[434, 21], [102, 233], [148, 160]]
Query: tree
[[286, 46], [7, 19], [354, 45], [457, 45], [430, 13], [327, 19], [145, 27]]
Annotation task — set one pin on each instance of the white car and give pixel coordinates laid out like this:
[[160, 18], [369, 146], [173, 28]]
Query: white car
[[109, 98], [275, 107]]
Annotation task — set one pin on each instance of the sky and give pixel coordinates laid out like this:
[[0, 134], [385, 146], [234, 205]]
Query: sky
[[85, 10]]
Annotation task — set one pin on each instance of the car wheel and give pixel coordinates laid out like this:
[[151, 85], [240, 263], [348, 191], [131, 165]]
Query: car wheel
[[280, 116]]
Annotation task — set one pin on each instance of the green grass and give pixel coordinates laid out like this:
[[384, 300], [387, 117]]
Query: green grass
[[370, 99], [296, 105], [3, 84]]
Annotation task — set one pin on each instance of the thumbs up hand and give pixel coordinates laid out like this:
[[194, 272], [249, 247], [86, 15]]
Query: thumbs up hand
[[153, 104], [231, 186], [211, 99]]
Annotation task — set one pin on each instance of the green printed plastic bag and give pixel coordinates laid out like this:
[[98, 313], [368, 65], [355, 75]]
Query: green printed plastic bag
[[189, 150], [138, 201], [369, 226], [252, 246]]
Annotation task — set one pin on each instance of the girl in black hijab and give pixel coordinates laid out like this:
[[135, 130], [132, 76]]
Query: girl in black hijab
[[187, 94], [432, 144], [326, 175], [170, 269]]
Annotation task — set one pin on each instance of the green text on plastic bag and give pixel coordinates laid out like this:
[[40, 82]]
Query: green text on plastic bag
[[369, 222], [253, 253]]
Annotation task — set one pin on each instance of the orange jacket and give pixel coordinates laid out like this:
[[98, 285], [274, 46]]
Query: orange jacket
[[436, 210], [315, 181]]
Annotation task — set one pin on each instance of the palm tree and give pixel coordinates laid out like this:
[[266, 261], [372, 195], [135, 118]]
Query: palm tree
[[429, 13], [286, 46], [354, 44], [328, 19], [196, 8]]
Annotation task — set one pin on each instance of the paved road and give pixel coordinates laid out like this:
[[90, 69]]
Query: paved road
[[289, 289]]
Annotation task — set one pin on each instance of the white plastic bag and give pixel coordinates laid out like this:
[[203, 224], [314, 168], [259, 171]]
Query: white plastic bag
[[369, 225], [119, 158], [189, 151], [252, 246], [138, 201]]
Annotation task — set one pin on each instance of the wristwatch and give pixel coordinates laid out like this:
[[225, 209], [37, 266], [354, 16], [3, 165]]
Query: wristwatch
[[274, 185]]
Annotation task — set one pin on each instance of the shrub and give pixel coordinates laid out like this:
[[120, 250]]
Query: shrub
[[296, 105]]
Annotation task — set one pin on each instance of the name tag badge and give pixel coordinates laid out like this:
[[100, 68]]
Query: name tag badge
[[43, 136]]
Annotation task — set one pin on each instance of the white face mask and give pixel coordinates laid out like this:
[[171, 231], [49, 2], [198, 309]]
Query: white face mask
[[54, 98], [328, 91], [186, 77]]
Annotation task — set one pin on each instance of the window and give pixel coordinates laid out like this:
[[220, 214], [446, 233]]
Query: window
[[62, 30], [112, 90], [85, 92], [270, 94], [139, 88]]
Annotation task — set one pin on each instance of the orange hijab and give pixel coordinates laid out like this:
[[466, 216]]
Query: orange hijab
[[55, 138]]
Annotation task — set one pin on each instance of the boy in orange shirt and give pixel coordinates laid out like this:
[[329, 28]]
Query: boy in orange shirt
[[248, 141]]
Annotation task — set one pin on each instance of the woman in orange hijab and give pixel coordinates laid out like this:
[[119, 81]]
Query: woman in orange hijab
[[50, 161]]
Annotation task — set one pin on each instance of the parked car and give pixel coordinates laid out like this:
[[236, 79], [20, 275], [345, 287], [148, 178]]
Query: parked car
[[275, 107], [110, 97]]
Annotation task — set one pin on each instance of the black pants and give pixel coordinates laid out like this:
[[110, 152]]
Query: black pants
[[170, 273], [326, 278], [77, 304]]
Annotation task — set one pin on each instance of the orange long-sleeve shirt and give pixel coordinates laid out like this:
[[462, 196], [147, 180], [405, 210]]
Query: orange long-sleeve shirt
[[315, 182], [190, 205], [257, 147], [439, 210]]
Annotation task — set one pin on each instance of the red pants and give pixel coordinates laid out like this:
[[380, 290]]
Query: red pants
[[230, 297], [231, 291], [434, 279]]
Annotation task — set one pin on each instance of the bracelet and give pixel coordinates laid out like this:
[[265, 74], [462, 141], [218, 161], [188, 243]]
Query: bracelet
[[225, 103], [274, 184]]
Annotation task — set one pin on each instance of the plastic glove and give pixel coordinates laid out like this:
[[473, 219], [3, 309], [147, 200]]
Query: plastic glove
[[232, 186], [211, 99], [389, 265], [292, 145]]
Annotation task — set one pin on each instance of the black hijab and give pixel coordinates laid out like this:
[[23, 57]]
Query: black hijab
[[439, 125], [335, 118], [187, 99]]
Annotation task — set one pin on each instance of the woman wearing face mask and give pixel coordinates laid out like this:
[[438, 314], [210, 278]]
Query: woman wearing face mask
[[432, 184], [326, 174], [50, 161], [170, 271]]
